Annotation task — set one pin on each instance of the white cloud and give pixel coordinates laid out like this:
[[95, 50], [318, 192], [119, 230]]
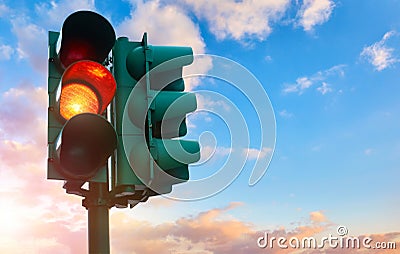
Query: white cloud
[[324, 88], [285, 114], [31, 38], [206, 152], [23, 111], [209, 151], [166, 25], [268, 58], [55, 12], [6, 52], [4, 10], [314, 12], [205, 102], [254, 153], [304, 83], [379, 55], [212, 154], [239, 20]]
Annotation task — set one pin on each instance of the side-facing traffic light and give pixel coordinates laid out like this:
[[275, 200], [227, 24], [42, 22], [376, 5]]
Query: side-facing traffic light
[[80, 88], [154, 115]]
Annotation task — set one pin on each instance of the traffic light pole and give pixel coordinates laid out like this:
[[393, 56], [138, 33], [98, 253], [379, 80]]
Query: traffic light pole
[[98, 218]]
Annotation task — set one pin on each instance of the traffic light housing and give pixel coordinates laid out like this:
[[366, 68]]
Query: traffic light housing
[[152, 117], [144, 87], [80, 89]]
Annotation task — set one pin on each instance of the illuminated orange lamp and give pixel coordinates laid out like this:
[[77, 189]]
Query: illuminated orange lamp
[[86, 87]]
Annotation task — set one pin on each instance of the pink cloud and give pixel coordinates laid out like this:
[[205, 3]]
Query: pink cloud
[[38, 217], [23, 112], [213, 231], [210, 231], [318, 216]]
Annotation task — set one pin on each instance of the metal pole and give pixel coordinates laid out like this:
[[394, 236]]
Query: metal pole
[[98, 218]]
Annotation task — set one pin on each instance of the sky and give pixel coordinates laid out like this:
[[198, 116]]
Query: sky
[[330, 72]]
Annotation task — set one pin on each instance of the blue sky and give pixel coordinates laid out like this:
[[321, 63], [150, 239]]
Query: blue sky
[[331, 72]]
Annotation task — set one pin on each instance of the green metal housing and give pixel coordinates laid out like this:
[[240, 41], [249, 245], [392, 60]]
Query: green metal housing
[[156, 110], [123, 177]]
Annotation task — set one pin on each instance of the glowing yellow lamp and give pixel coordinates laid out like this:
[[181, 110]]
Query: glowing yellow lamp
[[86, 87]]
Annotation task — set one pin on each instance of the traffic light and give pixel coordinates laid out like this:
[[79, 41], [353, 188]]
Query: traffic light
[[80, 139], [150, 120], [147, 114]]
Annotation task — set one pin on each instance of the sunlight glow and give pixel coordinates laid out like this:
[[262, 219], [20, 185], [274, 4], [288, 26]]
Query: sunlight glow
[[11, 220], [76, 99]]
